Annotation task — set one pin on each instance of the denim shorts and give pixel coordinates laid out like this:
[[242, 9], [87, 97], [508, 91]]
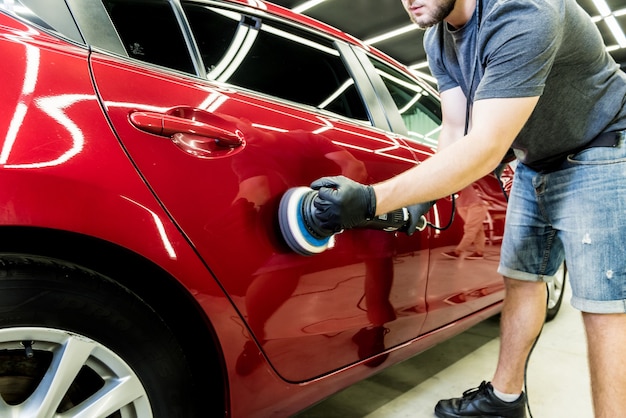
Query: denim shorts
[[578, 214]]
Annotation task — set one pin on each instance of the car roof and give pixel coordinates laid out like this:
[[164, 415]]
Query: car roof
[[87, 22]]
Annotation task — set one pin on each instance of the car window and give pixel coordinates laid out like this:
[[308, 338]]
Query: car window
[[150, 32], [420, 111], [51, 16], [273, 58]]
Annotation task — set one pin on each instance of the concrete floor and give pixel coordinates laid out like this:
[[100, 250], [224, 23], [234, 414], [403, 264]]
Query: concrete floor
[[558, 378]]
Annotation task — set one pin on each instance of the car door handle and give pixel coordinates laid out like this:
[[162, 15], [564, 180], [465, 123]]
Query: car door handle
[[199, 124]]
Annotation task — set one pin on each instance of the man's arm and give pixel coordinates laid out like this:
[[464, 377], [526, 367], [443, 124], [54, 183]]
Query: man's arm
[[494, 125], [453, 111]]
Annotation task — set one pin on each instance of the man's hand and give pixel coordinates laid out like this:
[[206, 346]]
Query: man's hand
[[415, 216], [342, 203]]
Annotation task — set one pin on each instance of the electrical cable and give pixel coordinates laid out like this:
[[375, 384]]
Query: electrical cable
[[449, 224]]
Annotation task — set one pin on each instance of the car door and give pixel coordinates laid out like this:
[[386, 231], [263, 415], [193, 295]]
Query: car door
[[275, 108], [458, 287]]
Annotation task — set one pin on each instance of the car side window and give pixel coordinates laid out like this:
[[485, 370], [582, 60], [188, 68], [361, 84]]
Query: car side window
[[150, 32], [420, 111], [273, 58]]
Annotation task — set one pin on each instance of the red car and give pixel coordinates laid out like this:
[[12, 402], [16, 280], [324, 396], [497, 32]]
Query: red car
[[145, 149]]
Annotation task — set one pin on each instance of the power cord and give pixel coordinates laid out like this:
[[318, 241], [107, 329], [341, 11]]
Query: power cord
[[449, 224]]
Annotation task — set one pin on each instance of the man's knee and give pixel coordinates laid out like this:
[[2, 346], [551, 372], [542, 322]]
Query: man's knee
[[523, 285], [608, 324]]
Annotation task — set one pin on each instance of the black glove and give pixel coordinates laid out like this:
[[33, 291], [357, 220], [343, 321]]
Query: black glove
[[415, 216], [342, 203]]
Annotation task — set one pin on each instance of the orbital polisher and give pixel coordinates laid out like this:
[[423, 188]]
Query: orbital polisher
[[302, 230]]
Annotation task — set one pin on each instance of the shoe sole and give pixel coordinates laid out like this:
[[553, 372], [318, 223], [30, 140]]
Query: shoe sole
[[471, 416], [441, 414]]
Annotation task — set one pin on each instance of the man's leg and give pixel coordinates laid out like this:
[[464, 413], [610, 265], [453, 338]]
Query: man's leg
[[606, 342], [522, 318], [523, 315]]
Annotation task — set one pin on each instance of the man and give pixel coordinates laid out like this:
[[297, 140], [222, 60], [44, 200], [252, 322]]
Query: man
[[533, 75]]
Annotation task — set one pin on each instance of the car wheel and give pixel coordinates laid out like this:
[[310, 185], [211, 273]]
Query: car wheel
[[556, 287], [75, 343]]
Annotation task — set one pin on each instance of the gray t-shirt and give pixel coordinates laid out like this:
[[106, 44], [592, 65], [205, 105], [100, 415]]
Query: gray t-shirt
[[547, 48]]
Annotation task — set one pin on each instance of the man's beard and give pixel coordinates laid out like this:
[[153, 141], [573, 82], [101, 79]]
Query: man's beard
[[440, 13]]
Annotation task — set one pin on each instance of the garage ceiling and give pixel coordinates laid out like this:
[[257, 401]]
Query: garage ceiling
[[373, 20]]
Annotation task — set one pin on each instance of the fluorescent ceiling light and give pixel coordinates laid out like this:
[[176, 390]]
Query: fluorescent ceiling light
[[602, 7], [419, 65], [307, 5], [390, 34], [616, 30], [611, 22]]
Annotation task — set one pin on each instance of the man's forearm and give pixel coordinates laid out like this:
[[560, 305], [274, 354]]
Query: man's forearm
[[495, 124], [443, 174]]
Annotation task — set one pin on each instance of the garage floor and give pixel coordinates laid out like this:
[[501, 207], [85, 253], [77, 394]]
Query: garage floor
[[558, 379]]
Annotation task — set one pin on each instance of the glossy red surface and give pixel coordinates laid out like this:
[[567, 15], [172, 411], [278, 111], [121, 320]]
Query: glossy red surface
[[188, 174]]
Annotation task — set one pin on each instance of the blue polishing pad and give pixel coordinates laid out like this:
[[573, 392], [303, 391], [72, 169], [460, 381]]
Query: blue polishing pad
[[293, 226]]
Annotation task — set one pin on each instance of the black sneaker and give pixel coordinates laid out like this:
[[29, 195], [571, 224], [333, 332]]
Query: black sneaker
[[481, 402]]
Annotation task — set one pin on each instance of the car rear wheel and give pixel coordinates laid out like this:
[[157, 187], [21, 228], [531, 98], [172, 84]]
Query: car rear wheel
[[556, 287], [75, 343]]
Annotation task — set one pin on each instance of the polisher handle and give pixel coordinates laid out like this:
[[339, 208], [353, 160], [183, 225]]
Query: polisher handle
[[391, 221], [397, 220]]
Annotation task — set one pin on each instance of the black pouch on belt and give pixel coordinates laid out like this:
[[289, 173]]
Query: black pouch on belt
[[607, 139]]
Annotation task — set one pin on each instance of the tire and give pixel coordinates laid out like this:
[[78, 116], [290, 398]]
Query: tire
[[77, 343], [556, 289]]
